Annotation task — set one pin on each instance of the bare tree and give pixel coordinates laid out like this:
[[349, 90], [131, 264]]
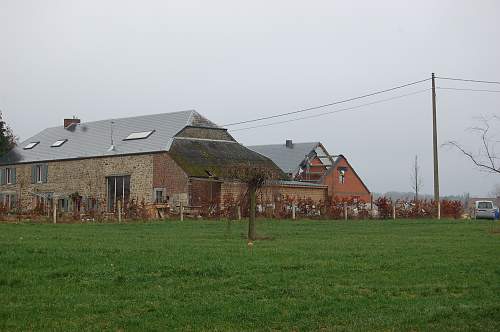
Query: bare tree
[[254, 176], [416, 178], [486, 158]]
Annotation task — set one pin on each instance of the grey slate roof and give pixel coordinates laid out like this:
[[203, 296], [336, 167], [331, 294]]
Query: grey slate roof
[[93, 139], [288, 159]]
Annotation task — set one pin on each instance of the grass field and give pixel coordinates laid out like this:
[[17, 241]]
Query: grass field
[[200, 275]]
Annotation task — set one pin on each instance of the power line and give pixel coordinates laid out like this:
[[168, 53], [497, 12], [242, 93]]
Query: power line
[[332, 112], [466, 80], [461, 89], [326, 105]]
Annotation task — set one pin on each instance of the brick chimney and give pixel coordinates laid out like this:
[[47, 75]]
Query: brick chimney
[[289, 144], [69, 122]]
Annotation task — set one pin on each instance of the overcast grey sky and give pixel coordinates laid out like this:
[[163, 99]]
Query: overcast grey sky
[[237, 60]]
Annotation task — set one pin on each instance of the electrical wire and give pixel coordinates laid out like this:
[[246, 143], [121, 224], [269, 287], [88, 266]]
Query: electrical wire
[[461, 89], [332, 112], [466, 80], [327, 105]]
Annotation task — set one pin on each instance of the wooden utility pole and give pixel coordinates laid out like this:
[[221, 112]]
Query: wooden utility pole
[[435, 147]]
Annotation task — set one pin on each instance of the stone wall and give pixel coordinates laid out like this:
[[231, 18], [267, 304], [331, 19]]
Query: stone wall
[[85, 176]]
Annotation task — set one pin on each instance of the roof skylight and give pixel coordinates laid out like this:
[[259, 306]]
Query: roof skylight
[[31, 145], [58, 143], [139, 135]]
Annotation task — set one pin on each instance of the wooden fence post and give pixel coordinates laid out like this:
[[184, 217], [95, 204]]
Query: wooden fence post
[[239, 212], [119, 211], [55, 213], [345, 211], [439, 210], [293, 211], [394, 211], [182, 211]]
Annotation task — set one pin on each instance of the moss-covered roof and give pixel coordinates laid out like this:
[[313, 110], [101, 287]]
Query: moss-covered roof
[[204, 158]]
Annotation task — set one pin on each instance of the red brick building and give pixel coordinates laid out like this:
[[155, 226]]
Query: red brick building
[[310, 162]]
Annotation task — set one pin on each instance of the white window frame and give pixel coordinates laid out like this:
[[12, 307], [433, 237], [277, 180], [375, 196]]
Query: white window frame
[[39, 174], [8, 175], [58, 143], [8, 201], [31, 145], [341, 176], [139, 135]]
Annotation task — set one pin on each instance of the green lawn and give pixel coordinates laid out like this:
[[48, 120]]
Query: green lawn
[[200, 275]]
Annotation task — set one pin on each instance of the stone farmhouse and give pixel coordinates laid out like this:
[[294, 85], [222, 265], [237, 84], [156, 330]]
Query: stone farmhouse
[[159, 160], [311, 163]]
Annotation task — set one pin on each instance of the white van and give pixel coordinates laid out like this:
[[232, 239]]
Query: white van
[[485, 210]]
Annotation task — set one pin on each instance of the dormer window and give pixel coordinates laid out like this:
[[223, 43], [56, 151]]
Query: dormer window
[[31, 145], [139, 135], [58, 143]]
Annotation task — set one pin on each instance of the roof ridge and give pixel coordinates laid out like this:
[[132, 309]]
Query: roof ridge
[[283, 144], [122, 118], [135, 116]]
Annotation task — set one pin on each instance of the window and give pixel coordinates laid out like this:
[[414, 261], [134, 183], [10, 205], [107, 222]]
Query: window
[[8, 200], [58, 143], [139, 135], [31, 145], [118, 191], [63, 204], [39, 173], [159, 195], [485, 205], [8, 175], [342, 175], [90, 204]]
